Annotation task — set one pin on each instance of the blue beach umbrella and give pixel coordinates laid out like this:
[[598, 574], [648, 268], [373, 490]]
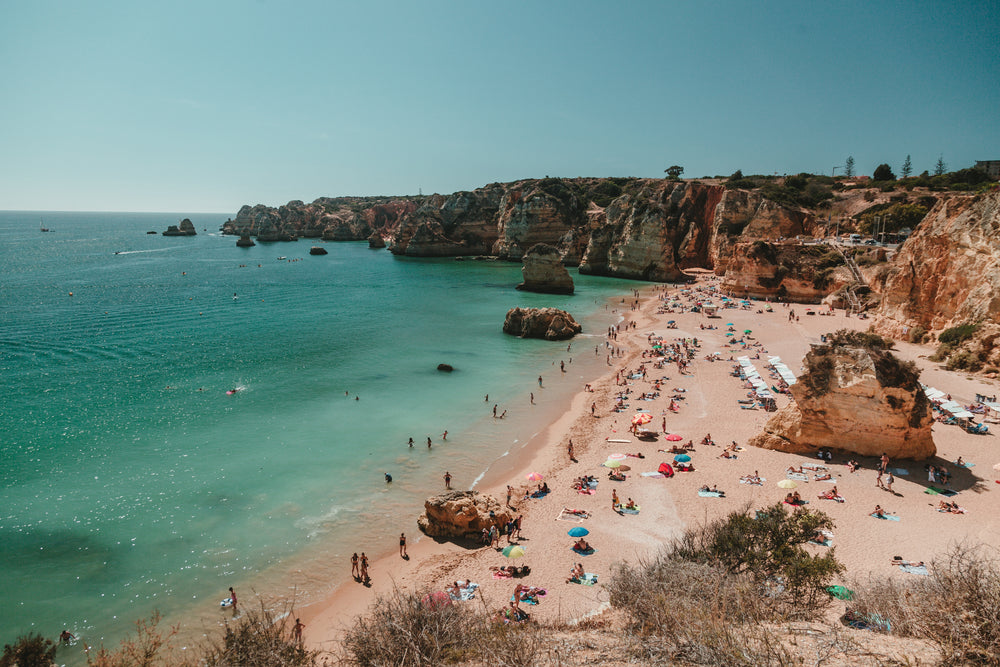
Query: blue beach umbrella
[[578, 531], [683, 458]]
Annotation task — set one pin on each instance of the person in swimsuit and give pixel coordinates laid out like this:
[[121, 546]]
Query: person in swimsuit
[[354, 566], [402, 545]]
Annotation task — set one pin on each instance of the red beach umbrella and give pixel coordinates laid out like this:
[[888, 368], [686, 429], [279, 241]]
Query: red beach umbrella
[[673, 437]]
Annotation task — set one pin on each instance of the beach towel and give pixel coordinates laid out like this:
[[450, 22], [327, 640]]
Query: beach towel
[[899, 471], [827, 539], [840, 592], [797, 476], [576, 517], [625, 510], [964, 464], [502, 575], [960, 510], [887, 517], [711, 494], [588, 552], [753, 482], [527, 600], [934, 491], [539, 494], [588, 579], [796, 503], [587, 492], [592, 483], [657, 475], [465, 593], [813, 466], [915, 569]]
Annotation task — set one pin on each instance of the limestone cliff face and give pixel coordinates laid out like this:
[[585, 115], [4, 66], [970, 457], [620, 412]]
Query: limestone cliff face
[[627, 227], [789, 272], [948, 272], [544, 271], [856, 399]]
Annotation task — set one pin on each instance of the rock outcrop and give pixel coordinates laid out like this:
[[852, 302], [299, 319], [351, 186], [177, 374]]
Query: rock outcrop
[[785, 271], [948, 272], [543, 271], [462, 515], [317, 250], [375, 241], [855, 397], [547, 323], [186, 228]]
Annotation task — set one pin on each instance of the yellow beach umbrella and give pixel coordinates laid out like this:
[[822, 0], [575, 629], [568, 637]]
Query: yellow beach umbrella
[[787, 484]]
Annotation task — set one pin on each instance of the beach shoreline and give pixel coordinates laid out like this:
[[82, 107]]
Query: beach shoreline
[[865, 545]]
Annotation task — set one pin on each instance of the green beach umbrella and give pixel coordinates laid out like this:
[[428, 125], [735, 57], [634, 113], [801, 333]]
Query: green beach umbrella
[[513, 551]]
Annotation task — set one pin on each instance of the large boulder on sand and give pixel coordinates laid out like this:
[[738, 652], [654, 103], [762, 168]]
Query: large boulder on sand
[[547, 323], [857, 397], [543, 271], [462, 514]]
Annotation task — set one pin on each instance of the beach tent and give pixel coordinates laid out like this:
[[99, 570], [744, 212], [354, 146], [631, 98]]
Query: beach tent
[[665, 469]]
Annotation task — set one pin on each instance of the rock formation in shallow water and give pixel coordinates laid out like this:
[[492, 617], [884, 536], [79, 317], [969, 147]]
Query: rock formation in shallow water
[[543, 271], [462, 514], [857, 397], [547, 323], [375, 241], [186, 229]]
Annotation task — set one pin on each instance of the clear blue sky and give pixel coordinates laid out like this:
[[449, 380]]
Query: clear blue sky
[[207, 105]]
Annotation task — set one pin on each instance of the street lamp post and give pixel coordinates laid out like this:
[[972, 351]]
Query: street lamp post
[[833, 173]]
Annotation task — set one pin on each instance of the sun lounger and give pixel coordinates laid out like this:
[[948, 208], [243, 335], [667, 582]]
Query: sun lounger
[[887, 517]]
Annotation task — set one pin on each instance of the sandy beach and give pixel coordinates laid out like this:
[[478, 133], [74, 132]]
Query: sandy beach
[[668, 505]]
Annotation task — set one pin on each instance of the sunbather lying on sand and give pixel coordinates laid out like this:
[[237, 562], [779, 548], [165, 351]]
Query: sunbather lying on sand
[[824, 476], [794, 469], [830, 495], [951, 508], [751, 479]]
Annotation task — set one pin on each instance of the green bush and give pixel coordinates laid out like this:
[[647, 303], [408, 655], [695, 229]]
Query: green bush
[[917, 334], [958, 334]]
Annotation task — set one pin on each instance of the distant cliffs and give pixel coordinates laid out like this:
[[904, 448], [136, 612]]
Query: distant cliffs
[[649, 229]]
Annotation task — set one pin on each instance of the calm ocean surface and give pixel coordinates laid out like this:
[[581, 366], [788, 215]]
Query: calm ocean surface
[[130, 481]]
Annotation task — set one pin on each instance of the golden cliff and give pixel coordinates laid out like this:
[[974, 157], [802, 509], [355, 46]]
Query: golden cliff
[[855, 397]]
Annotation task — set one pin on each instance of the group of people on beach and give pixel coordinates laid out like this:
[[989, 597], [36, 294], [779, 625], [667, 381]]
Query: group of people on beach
[[359, 566]]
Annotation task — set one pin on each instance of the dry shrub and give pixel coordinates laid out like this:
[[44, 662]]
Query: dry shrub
[[260, 638], [404, 629], [956, 608], [696, 613], [150, 647]]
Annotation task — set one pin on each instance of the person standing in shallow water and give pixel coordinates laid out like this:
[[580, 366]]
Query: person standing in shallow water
[[447, 480]]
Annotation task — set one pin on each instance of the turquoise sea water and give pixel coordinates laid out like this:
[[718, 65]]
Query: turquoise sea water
[[131, 481]]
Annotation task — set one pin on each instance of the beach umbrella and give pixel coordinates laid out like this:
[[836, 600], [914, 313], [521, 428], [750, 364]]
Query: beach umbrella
[[683, 458], [642, 418], [534, 476], [673, 437], [513, 551], [729, 324], [436, 600], [578, 531], [730, 333], [787, 484], [747, 331], [612, 464], [616, 457]]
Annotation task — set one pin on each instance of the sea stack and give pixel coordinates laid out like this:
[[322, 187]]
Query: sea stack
[[543, 271], [547, 323], [856, 397], [186, 228], [462, 514], [245, 241], [317, 250]]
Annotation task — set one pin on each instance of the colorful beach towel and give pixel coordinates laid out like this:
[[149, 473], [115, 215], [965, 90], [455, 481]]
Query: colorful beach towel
[[711, 494], [915, 569], [934, 491], [587, 492], [467, 592], [625, 510], [588, 579], [502, 575], [575, 516], [887, 517], [588, 552], [827, 539], [964, 464]]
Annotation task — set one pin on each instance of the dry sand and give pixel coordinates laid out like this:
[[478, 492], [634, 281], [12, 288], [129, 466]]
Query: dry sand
[[864, 544]]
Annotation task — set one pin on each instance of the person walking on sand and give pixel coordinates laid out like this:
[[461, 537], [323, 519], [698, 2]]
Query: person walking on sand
[[532, 398], [354, 567], [510, 492], [593, 409], [297, 631], [447, 480], [878, 480], [569, 447], [889, 479], [402, 545], [364, 568]]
